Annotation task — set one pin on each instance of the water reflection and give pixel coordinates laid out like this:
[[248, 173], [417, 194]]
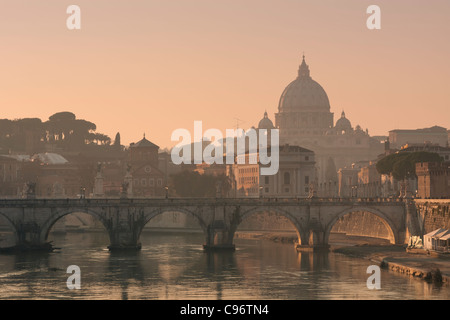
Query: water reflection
[[173, 266]]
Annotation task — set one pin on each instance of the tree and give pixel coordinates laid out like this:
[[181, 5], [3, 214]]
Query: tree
[[62, 116], [117, 140], [62, 129], [386, 165], [402, 165], [16, 134], [60, 126], [81, 130], [67, 131], [99, 138]]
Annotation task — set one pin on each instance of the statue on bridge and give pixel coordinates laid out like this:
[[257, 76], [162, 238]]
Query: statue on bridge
[[125, 186], [218, 189], [30, 190], [98, 185], [312, 191], [405, 190]]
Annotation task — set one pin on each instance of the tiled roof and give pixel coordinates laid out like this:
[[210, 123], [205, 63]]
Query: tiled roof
[[144, 143]]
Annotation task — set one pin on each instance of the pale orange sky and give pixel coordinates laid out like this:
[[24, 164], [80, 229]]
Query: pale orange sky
[[155, 66]]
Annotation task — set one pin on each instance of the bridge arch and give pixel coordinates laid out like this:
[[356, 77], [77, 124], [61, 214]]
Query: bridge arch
[[12, 226], [302, 233], [148, 216], [50, 222], [384, 218]]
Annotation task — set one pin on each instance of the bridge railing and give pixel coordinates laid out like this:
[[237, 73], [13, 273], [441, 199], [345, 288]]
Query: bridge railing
[[184, 200]]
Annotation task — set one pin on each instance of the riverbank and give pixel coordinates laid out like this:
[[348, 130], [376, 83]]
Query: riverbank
[[279, 236], [395, 258], [432, 268]]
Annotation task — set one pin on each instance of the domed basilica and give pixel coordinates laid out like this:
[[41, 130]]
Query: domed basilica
[[304, 119]]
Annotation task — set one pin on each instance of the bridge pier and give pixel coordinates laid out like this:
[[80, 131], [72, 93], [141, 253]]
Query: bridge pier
[[316, 242], [218, 237], [27, 238], [124, 230], [124, 240]]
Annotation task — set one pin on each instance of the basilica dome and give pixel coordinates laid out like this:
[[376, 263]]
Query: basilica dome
[[266, 123], [343, 124], [303, 93]]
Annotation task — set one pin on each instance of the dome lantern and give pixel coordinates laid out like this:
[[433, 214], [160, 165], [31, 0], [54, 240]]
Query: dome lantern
[[303, 70]]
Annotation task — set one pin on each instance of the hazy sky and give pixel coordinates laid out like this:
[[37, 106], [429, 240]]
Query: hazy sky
[[155, 66]]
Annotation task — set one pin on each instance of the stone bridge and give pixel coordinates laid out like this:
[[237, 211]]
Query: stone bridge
[[124, 219]]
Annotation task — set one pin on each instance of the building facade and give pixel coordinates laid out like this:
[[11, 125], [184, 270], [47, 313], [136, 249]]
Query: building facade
[[143, 168], [435, 135], [295, 178], [304, 119], [11, 176], [433, 180]]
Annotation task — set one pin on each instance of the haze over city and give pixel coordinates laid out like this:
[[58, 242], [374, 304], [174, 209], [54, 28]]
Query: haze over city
[[155, 66], [338, 190]]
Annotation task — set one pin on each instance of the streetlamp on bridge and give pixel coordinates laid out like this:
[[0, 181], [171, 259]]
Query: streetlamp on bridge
[[82, 192], [354, 191]]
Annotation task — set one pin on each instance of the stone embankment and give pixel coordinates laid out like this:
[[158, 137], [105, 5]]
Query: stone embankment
[[429, 273], [421, 265]]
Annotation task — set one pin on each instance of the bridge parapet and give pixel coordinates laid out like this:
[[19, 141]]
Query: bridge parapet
[[162, 202]]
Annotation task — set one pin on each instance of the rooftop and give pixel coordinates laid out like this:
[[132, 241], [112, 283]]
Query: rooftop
[[143, 143]]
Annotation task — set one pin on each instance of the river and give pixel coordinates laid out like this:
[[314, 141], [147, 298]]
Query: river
[[174, 266]]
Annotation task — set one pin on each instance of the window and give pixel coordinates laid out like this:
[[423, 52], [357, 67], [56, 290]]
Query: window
[[306, 179], [152, 182], [306, 158], [159, 182], [144, 182], [287, 178], [266, 180]]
